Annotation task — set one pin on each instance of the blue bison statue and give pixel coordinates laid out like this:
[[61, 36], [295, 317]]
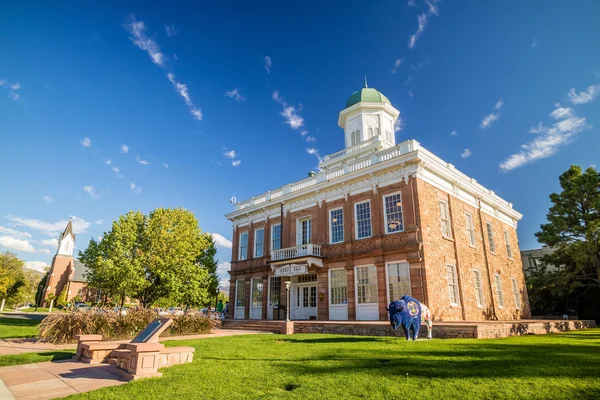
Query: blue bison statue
[[409, 313]]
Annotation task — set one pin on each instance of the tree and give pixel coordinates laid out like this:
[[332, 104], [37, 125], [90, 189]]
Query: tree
[[573, 231], [26, 291], [11, 275], [159, 256]]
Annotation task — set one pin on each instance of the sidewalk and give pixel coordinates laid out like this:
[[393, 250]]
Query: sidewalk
[[32, 345]]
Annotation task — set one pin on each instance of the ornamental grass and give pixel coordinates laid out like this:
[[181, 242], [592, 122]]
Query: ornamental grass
[[112, 325]]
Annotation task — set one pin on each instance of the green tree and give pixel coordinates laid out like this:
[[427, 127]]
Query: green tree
[[573, 230], [26, 292], [12, 276], [161, 256]]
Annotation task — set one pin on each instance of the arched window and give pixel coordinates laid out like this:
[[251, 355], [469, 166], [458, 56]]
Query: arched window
[[358, 136], [67, 247], [376, 131], [370, 133]]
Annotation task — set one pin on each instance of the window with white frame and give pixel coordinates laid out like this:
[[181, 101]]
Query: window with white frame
[[336, 225], [243, 252], [515, 289], [304, 231], [398, 280], [478, 287], [445, 219], [363, 219], [452, 284], [490, 234], [274, 291], [355, 137], [470, 229], [338, 285], [276, 237], [257, 292], [508, 248], [499, 291], [393, 213], [366, 284], [240, 293], [259, 239]]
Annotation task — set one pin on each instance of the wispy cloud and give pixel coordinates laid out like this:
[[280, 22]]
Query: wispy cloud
[[12, 94], [12, 243], [549, 139], [229, 154], [108, 162], [135, 189], [315, 153], [587, 96], [45, 251], [50, 228], [86, 142], [171, 30], [289, 113], [116, 170], [399, 125], [49, 242], [48, 199], [182, 89], [165, 165], [466, 153], [140, 161], [139, 37], [534, 44], [124, 148], [235, 94], [14, 233], [422, 21], [236, 163], [221, 241], [410, 94], [91, 191], [268, 64], [489, 119], [397, 64], [99, 221], [453, 133]]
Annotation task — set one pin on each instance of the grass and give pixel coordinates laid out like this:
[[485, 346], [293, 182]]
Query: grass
[[554, 366], [17, 328], [30, 358], [40, 309]]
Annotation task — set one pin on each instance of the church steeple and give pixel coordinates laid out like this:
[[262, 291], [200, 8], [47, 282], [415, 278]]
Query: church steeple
[[66, 241]]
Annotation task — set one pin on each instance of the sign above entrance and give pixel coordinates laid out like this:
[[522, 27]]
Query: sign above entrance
[[291, 270]]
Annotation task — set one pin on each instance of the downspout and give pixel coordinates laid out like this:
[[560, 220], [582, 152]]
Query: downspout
[[419, 236], [487, 264]]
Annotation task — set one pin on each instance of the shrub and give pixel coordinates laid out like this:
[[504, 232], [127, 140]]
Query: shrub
[[112, 325]]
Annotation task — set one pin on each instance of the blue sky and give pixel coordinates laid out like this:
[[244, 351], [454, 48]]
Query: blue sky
[[222, 99]]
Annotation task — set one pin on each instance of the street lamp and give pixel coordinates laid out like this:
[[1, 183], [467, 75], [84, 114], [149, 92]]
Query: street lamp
[[287, 295]]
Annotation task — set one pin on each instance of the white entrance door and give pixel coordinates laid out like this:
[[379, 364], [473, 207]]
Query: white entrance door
[[256, 295], [274, 295], [367, 308], [304, 302], [240, 299], [338, 295]]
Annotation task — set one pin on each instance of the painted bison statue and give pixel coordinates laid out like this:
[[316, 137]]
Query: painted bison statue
[[409, 313]]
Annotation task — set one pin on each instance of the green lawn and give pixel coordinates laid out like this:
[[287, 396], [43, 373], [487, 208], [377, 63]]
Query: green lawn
[[563, 366], [30, 358], [40, 309], [17, 328]]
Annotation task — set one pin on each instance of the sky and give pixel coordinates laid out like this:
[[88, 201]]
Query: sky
[[107, 107]]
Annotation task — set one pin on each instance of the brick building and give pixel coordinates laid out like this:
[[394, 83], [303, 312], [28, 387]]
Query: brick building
[[378, 221]]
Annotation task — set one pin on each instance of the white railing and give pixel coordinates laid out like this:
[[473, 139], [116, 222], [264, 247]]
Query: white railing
[[304, 250], [353, 149]]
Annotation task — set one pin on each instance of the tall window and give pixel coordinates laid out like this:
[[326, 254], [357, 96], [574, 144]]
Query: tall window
[[445, 219], [398, 280], [243, 254], [257, 292], [240, 293], [336, 225], [508, 248], [499, 291], [393, 213], [478, 287], [490, 234], [276, 237], [370, 132], [470, 229], [339, 286], [452, 284], [274, 291], [259, 239], [366, 284], [355, 137], [304, 231], [516, 294], [363, 220]]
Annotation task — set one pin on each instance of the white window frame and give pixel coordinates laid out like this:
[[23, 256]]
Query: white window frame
[[271, 237], [255, 283], [356, 219], [470, 223], [490, 234], [445, 223], [387, 278], [299, 230], [262, 244], [515, 289], [240, 283], [455, 285], [331, 226], [331, 288], [499, 290], [385, 215], [240, 246], [479, 299], [509, 251], [356, 284]]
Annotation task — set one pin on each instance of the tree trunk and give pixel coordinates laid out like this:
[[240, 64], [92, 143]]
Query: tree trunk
[[122, 300]]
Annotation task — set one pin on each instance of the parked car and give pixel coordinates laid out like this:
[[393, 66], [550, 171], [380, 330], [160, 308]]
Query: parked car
[[175, 311]]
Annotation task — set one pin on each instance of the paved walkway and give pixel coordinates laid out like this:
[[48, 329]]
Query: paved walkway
[[19, 346]]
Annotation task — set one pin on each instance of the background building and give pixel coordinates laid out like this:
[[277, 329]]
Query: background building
[[378, 221]]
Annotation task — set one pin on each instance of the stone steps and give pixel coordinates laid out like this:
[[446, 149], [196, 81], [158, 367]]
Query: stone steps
[[255, 325]]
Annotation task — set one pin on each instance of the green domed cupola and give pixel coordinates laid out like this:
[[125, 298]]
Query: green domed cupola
[[368, 95]]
